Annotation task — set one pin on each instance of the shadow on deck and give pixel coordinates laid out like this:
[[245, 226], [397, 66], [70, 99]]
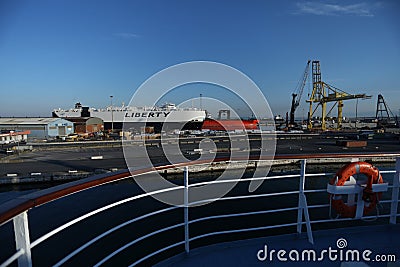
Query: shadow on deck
[[340, 244]]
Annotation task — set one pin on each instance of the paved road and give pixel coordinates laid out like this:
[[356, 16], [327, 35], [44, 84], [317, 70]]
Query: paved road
[[79, 158]]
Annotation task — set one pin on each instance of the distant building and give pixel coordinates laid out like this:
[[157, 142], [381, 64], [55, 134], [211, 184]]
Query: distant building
[[87, 124], [39, 127]]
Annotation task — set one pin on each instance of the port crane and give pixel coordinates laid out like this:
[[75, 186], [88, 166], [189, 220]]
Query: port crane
[[322, 94], [383, 114], [296, 96]]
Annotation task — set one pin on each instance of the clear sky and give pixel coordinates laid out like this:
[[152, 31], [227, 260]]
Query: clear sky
[[54, 53]]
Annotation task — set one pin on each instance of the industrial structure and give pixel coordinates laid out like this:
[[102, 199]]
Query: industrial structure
[[87, 124], [296, 96], [38, 127], [322, 94], [384, 115]]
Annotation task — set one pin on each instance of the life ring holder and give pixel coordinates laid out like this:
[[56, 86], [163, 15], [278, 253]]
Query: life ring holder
[[369, 194]]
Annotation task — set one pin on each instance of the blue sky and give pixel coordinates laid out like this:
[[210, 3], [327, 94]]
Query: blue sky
[[54, 53]]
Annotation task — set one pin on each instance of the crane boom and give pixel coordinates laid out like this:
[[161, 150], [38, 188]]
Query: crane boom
[[296, 97]]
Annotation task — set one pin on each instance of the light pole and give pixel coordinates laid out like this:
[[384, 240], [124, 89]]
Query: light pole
[[112, 114], [355, 124]]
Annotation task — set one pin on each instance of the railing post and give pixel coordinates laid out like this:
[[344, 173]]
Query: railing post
[[22, 240], [301, 190], [395, 193], [186, 206], [302, 208]]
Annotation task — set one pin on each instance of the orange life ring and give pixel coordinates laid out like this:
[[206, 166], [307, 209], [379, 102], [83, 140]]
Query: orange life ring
[[369, 196]]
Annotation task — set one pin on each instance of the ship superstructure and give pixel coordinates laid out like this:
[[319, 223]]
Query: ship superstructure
[[114, 117]]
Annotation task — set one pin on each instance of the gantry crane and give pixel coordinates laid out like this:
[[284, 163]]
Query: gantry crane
[[296, 96], [383, 114], [324, 93]]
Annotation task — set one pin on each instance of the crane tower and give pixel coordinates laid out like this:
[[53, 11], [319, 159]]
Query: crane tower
[[296, 96], [322, 94]]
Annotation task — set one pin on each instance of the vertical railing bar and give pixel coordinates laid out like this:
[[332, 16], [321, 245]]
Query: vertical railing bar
[[22, 240], [186, 207], [307, 217], [395, 194], [303, 209], [301, 191]]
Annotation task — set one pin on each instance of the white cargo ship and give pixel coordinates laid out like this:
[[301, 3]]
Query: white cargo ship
[[114, 117]]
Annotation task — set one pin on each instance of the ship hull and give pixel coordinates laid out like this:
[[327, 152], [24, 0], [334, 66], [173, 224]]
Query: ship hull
[[230, 125], [160, 119], [157, 126]]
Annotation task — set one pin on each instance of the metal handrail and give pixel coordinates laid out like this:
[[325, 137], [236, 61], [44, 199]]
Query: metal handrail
[[57, 192], [243, 230], [14, 207], [87, 244], [249, 213], [240, 214], [260, 212], [255, 179], [62, 227], [14, 257], [137, 240], [87, 215], [156, 252], [195, 203]]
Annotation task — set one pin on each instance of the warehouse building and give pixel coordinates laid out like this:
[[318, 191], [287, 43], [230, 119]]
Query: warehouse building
[[39, 127], [87, 124]]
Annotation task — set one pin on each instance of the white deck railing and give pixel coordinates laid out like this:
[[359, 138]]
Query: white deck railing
[[24, 245]]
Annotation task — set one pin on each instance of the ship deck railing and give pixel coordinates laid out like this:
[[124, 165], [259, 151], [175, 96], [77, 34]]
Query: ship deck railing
[[16, 212]]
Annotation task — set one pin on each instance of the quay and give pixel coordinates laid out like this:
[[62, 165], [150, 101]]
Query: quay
[[74, 160]]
